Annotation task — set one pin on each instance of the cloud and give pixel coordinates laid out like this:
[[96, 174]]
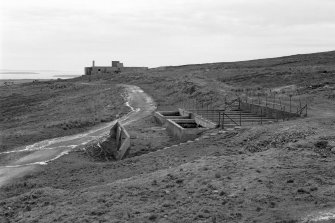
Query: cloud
[[160, 31]]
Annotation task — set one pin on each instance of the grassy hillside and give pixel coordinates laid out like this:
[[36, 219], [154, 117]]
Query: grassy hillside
[[209, 84], [40, 110], [34, 111], [281, 172]]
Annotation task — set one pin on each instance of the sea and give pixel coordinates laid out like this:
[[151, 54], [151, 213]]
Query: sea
[[38, 74]]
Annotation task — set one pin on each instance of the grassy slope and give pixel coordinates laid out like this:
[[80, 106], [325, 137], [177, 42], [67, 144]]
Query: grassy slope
[[211, 83], [272, 173], [35, 111]]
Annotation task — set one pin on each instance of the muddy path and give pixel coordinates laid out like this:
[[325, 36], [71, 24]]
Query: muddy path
[[41, 153]]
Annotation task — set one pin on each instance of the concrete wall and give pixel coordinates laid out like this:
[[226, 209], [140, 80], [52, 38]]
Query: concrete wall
[[198, 119], [266, 111], [111, 70], [88, 70], [162, 116], [122, 140], [183, 134], [102, 70]]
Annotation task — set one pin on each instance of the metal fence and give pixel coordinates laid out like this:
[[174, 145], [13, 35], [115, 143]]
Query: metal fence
[[237, 118]]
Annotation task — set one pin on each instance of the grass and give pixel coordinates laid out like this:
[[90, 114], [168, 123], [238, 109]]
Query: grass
[[39, 110], [258, 175]]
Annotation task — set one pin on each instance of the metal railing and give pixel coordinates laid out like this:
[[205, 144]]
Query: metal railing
[[224, 117], [286, 104]]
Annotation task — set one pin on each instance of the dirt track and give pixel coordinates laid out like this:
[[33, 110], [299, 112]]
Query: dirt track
[[19, 162]]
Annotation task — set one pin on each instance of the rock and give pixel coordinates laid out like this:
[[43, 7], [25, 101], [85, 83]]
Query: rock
[[154, 183], [222, 193], [152, 217], [213, 134], [321, 144], [302, 191], [179, 181], [333, 150]]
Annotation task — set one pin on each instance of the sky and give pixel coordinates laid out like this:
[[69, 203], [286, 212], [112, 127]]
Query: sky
[[69, 34]]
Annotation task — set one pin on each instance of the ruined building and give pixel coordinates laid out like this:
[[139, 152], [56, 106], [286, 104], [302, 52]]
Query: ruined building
[[116, 67]]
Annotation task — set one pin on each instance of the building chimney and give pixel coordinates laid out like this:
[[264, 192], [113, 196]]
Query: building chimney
[[93, 63]]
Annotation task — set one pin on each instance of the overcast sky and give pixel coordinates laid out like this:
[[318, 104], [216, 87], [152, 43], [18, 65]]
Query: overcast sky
[[69, 34]]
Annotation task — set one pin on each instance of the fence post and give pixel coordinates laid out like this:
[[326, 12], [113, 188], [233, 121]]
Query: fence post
[[266, 100], [223, 119], [219, 119], [212, 102], [240, 117], [239, 103], [277, 116]]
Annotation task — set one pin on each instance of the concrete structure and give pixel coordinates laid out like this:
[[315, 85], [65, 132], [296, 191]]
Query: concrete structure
[[182, 124], [119, 133], [198, 119], [184, 129], [116, 67], [162, 116]]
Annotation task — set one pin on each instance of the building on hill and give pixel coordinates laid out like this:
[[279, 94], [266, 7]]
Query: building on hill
[[116, 67]]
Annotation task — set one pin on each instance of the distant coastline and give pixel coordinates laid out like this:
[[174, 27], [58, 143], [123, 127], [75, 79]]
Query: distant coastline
[[37, 74], [19, 81], [66, 75], [17, 72]]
